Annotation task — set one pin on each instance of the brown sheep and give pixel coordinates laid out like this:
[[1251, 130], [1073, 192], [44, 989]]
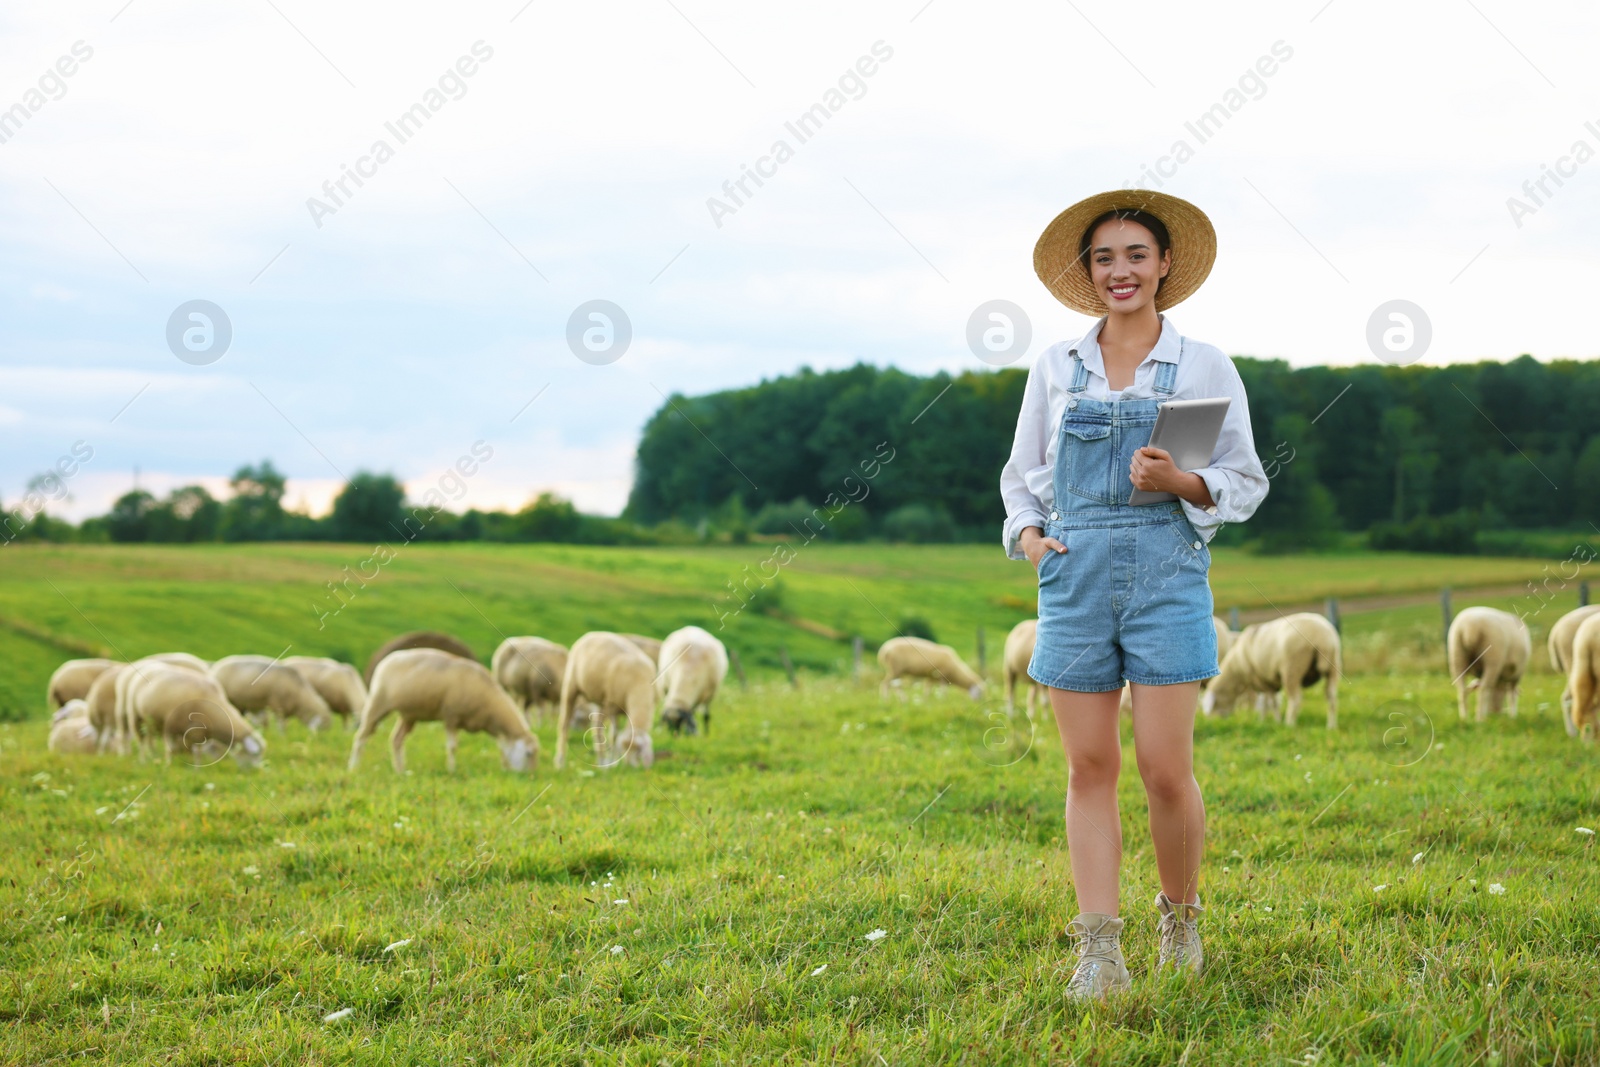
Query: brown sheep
[[616, 674], [190, 712], [418, 639], [431, 685], [917, 657], [530, 669]]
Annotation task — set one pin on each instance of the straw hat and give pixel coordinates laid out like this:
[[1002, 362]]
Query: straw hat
[[1194, 248]]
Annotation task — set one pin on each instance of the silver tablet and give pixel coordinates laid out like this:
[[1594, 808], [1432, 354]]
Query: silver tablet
[[1188, 431]]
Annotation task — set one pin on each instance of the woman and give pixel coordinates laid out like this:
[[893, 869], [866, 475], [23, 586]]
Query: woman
[[1123, 589]]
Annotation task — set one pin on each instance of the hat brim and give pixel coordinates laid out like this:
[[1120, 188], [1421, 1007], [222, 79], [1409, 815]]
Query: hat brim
[[1194, 248]]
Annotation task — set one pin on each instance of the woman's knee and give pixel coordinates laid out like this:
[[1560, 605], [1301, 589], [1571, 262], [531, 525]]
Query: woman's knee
[[1165, 784], [1090, 769]]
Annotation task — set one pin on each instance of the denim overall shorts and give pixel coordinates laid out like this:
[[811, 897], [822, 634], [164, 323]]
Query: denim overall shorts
[[1130, 598]]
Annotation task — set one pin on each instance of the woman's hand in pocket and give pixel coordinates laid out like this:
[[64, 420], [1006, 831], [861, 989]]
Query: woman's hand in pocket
[[1035, 545]]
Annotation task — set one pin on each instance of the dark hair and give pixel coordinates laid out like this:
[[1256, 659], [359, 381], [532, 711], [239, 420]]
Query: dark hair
[[1129, 214]]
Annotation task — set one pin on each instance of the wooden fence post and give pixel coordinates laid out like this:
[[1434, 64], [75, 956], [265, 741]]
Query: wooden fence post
[[1233, 618], [1583, 593], [981, 651], [1333, 614], [1444, 606], [855, 658], [738, 668], [788, 666]]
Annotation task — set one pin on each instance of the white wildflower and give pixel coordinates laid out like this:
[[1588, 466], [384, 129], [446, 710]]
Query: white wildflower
[[398, 944], [211, 785], [623, 901], [1496, 888], [286, 844], [616, 950], [61, 918], [1297, 757], [819, 970], [335, 1016], [1380, 888], [101, 811], [1584, 830], [877, 935], [1416, 859], [249, 870]]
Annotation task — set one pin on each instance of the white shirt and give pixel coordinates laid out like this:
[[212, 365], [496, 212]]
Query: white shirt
[[1235, 476]]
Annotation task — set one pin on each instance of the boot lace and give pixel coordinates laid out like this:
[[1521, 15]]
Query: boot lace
[[1096, 952]]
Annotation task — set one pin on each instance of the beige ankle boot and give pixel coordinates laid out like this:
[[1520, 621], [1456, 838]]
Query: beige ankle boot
[[1180, 934], [1100, 967]]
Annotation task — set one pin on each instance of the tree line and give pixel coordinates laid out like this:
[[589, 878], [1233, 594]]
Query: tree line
[[1423, 458]]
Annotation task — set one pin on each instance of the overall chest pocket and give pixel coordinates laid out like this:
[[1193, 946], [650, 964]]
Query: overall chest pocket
[[1086, 456]]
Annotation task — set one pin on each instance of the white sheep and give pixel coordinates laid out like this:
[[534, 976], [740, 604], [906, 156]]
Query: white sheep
[[101, 704], [1018, 654], [431, 685], [338, 684], [186, 660], [1583, 674], [71, 680], [1225, 638], [190, 711], [917, 657], [615, 673], [651, 646], [258, 684], [696, 662], [71, 732], [125, 729], [1492, 648], [1288, 653], [530, 669], [1559, 646]]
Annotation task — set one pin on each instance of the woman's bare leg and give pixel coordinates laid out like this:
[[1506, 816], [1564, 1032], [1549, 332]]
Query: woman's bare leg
[[1088, 726], [1163, 740]]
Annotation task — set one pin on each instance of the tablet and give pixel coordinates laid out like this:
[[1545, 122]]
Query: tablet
[[1188, 431]]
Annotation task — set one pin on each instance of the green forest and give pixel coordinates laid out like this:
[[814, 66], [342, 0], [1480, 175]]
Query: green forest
[[1464, 458]]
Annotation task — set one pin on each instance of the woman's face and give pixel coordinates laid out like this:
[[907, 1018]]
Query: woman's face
[[1124, 265]]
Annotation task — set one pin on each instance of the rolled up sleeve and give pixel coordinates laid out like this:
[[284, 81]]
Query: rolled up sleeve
[[1235, 477], [1028, 449]]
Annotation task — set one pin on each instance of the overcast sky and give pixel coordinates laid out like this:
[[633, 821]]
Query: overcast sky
[[422, 310]]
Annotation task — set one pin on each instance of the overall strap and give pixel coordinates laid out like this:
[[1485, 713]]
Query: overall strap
[[1080, 373], [1167, 374]]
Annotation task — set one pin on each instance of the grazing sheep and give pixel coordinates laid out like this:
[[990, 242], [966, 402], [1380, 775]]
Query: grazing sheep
[[101, 704], [530, 669], [1583, 675], [696, 664], [1287, 653], [257, 684], [418, 639], [649, 645], [1491, 647], [338, 684], [71, 680], [1018, 654], [190, 711], [917, 657], [1560, 648], [432, 685], [186, 660], [1225, 638], [619, 676], [71, 732]]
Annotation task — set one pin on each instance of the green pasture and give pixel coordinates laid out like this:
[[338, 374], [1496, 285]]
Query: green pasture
[[717, 908]]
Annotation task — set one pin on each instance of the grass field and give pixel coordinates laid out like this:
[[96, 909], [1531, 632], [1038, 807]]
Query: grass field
[[717, 907]]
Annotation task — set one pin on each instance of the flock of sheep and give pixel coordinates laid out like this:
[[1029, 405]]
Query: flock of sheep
[[1488, 649], [607, 684]]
